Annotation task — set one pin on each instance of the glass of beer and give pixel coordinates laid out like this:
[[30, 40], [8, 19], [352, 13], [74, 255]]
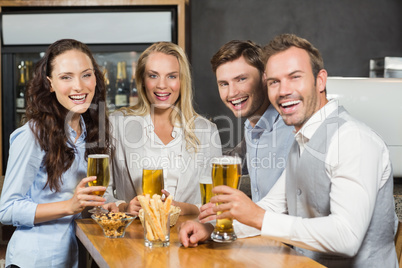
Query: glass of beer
[[152, 181], [98, 165], [205, 189], [226, 170]]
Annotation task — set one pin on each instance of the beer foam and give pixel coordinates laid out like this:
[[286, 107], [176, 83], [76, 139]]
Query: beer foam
[[226, 160], [98, 156], [205, 180]]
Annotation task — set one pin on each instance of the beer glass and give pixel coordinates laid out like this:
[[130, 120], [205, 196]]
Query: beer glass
[[206, 190], [226, 170], [152, 181], [98, 165]]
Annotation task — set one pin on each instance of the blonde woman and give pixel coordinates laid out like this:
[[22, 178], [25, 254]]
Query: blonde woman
[[162, 130]]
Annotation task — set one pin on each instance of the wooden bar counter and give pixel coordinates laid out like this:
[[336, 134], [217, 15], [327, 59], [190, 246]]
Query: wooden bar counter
[[131, 252]]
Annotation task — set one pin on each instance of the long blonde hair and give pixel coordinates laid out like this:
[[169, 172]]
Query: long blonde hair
[[183, 114]]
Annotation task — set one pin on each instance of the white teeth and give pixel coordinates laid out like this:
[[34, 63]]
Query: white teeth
[[289, 103], [162, 94], [238, 101], [78, 97]]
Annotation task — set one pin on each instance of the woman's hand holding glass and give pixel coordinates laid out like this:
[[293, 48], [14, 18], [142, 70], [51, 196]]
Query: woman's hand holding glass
[[83, 196], [98, 165]]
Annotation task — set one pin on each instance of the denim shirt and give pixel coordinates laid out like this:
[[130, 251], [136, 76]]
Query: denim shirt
[[51, 243], [268, 145]]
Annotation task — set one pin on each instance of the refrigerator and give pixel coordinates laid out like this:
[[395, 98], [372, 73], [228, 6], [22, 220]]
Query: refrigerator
[[375, 102], [116, 36]]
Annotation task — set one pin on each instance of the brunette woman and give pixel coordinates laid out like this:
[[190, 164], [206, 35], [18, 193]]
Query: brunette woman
[[45, 183]]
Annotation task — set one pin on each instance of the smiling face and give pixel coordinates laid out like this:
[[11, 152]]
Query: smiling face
[[242, 89], [73, 80], [292, 88], [162, 80]]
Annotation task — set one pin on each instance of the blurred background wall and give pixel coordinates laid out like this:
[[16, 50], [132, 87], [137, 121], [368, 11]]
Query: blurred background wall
[[348, 34]]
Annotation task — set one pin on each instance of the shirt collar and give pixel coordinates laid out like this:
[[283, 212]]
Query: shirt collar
[[148, 125], [267, 120], [311, 126], [150, 128], [73, 134]]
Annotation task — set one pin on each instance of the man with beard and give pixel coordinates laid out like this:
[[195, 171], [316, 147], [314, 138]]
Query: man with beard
[[334, 202]]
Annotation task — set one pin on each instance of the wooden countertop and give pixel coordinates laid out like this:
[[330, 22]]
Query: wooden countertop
[[130, 250]]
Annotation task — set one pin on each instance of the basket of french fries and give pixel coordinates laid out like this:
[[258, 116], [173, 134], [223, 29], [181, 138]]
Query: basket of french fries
[[174, 215], [155, 219]]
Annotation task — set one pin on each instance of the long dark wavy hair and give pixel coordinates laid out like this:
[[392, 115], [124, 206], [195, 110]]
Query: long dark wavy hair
[[47, 117]]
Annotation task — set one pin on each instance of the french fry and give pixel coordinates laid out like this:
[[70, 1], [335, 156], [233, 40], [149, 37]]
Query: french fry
[[156, 197], [153, 222], [156, 215], [160, 209], [163, 216], [167, 204], [150, 234], [155, 210]]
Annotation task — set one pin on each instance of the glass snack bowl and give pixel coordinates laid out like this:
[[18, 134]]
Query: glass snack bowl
[[113, 224]]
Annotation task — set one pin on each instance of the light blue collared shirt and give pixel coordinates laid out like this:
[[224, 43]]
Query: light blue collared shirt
[[47, 244], [268, 145]]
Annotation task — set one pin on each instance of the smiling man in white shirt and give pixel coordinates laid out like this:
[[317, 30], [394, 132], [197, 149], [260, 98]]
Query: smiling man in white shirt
[[334, 202]]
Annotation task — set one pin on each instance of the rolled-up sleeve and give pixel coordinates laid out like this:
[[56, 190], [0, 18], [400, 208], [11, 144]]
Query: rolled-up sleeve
[[25, 157]]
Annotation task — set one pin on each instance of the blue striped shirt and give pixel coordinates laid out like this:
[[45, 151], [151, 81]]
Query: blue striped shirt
[[268, 145]]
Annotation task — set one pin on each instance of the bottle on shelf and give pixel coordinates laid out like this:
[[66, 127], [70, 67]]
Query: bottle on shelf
[[126, 83], [133, 100], [28, 70], [21, 86], [122, 91], [110, 95]]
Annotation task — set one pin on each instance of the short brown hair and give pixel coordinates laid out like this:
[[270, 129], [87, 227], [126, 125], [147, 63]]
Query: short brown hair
[[285, 41], [234, 49]]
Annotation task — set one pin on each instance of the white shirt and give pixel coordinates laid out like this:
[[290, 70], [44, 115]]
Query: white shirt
[[137, 146], [358, 168], [165, 156]]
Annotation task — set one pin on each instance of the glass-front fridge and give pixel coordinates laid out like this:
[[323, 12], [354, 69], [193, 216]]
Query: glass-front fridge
[[115, 43]]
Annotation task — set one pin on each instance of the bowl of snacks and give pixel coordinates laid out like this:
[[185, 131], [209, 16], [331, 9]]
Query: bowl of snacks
[[113, 224]]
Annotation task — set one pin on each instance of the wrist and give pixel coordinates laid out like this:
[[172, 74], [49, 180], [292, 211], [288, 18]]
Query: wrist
[[66, 208], [258, 219]]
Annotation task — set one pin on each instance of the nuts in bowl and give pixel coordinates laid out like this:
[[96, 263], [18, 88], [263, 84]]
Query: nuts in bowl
[[113, 224]]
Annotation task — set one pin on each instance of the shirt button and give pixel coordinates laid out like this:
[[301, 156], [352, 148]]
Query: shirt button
[[299, 192], [255, 190]]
